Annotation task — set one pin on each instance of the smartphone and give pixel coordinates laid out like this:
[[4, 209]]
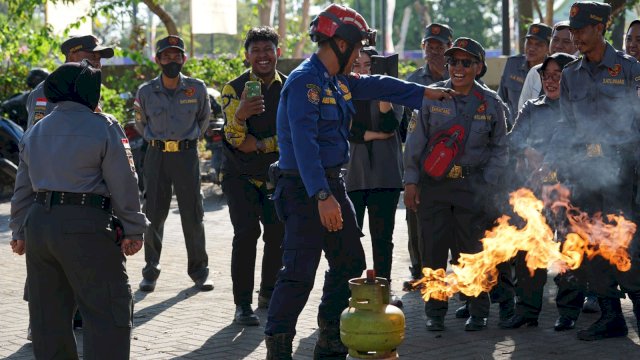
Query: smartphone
[[253, 88]]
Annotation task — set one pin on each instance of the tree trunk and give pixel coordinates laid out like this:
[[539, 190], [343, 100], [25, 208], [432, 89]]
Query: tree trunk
[[304, 26], [617, 24], [549, 16], [391, 7], [265, 9], [423, 13], [282, 20], [524, 18], [164, 16], [404, 27]]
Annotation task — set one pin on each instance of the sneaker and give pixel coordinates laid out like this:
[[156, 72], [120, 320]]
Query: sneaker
[[147, 285], [204, 283]]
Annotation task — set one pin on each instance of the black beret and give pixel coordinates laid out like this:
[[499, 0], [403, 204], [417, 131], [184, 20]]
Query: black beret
[[77, 82]]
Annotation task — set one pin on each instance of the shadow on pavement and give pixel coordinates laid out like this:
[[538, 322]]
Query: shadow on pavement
[[140, 317], [25, 352], [244, 340]]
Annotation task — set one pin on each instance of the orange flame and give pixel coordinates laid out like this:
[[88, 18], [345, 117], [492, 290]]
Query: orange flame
[[477, 273]]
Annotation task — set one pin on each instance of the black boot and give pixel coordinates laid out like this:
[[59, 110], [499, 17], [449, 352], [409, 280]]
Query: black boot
[[611, 322], [279, 346], [635, 299], [329, 345]]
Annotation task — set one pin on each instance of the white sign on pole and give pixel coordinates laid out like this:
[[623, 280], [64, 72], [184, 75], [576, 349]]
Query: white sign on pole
[[60, 15], [214, 17]]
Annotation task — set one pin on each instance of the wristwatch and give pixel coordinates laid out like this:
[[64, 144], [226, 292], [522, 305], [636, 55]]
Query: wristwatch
[[322, 195]]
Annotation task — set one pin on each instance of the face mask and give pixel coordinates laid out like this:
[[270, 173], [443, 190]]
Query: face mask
[[171, 70]]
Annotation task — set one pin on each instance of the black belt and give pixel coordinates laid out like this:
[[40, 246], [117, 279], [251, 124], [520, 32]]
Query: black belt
[[331, 173], [174, 145], [48, 198]]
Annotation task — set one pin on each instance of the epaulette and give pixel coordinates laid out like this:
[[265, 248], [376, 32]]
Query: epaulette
[[194, 80], [573, 62], [625, 56], [110, 119]]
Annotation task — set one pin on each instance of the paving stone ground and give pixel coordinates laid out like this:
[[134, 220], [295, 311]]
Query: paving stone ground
[[179, 322]]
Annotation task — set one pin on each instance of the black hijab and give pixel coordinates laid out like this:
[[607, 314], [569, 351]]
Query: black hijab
[[77, 82]]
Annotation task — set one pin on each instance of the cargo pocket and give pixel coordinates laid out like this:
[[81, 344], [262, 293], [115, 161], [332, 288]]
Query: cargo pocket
[[121, 302]]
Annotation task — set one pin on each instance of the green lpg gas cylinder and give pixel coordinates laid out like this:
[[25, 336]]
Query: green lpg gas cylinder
[[370, 327]]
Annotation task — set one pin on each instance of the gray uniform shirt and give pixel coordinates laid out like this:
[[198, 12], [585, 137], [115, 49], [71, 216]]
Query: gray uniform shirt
[[183, 115], [37, 105], [78, 151], [601, 105], [423, 76], [511, 82], [486, 146]]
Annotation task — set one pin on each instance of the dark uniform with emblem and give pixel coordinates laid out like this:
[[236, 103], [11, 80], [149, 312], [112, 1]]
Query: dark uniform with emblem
[[246, 187], [313, 123], [515, 72], [64, 212], [16, 106], [37, 104], [423, 76], [171, 121], [601, 111], [529, 141], [451, 210]]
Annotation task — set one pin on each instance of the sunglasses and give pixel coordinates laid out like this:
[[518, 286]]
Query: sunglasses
[[466, 63]]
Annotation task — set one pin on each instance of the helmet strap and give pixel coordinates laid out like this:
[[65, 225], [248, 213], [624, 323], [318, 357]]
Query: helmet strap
[[343, 57]]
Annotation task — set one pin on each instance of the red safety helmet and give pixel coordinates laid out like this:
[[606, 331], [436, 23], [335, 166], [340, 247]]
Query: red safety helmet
[[344, 22]]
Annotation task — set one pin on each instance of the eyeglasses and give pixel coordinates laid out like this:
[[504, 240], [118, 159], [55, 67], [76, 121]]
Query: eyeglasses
[[466, 63], [554, 76]]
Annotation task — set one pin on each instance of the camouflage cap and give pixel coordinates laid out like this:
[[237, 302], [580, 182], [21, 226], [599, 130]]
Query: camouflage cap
[[440, 32], [171, 41], [539, 31], [585, 13]]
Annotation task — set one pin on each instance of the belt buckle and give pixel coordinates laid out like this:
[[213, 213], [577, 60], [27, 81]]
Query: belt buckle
[[171, 146], [594, 150], [455, 172]]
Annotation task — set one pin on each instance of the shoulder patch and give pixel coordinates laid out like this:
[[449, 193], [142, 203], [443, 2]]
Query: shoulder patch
[[313, 94]]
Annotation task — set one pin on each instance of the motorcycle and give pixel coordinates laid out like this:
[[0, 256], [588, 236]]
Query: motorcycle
[[10, 135], [214, 137], [138, 149]]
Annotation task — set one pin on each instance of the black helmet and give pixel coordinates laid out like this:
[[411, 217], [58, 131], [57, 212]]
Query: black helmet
[[36, 76]]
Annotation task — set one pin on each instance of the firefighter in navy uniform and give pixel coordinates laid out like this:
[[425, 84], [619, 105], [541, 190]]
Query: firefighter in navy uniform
[[62, 212], [601, 113], [536, 48], [451, 210], [250, 146], [437, 39], [172, 112], [313, 121]]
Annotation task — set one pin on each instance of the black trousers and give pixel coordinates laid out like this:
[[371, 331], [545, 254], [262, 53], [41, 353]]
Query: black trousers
[[612, 193], [415, 244], [248, 207], [381, 205], [162, 170], [452, 218], [305, 241], [72, 259]]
